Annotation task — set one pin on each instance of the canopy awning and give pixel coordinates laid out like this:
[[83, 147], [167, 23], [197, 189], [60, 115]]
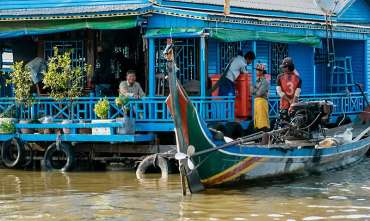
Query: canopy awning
[[9, 29], [174, 32], [233, 35]]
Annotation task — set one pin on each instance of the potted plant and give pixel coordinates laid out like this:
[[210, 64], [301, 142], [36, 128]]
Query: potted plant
[[101, 110], [22, 83], [64, 81], [7, 121], [128, 123]]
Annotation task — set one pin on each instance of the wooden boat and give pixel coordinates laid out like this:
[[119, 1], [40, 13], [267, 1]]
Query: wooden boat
[[208, 162]]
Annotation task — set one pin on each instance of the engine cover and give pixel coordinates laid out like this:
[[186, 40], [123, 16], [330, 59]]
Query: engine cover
[[309, 115]]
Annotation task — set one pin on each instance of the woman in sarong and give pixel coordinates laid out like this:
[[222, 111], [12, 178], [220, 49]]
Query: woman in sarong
[[260, 93]]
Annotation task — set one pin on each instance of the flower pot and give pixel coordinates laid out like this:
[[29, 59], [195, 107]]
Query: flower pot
[[128, 126], [26, 130], [67, 130], [47, 120], [101, 130]]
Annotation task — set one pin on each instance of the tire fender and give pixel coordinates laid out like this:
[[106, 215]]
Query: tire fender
[[152, 160], [68, 151], [7, 160]]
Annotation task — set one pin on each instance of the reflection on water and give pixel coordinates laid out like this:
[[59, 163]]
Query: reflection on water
[[336, 195]]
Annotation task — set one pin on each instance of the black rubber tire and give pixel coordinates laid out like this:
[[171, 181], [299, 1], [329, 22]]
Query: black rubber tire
[[10, 159], [233, 130], [150, 161], [67, 151], [28, 154]]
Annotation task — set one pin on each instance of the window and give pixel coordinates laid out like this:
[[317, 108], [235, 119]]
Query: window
[[228, 50], [185, 56], [77, 54], [278, 52], [77, 47]]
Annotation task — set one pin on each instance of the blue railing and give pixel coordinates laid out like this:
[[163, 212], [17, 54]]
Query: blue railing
[[351, 103], [151, 113], [147, 109]]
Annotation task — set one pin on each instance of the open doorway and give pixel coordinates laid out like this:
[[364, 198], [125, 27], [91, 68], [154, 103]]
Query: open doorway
[[126, 50]]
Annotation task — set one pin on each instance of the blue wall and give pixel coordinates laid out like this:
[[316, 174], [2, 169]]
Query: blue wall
[[263, 53], [359, 11], [367, 64], [355, 49], [322, 78], [213, 59], [163, 21], [303, 57]]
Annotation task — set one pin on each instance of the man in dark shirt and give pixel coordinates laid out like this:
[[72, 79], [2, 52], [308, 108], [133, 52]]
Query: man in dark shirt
[[103, 77]]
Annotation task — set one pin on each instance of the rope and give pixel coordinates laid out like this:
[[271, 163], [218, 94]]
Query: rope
[[344, 117]]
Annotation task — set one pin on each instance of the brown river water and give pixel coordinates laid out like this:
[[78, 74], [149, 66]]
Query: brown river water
[[118, 195]]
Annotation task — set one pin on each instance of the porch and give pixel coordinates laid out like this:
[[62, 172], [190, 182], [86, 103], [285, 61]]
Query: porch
[[152, 115]]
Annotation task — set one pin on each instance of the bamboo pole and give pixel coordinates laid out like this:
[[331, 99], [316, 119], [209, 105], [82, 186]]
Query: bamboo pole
[[227, 7]]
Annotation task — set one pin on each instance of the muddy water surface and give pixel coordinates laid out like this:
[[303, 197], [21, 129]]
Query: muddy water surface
[[35, 195]]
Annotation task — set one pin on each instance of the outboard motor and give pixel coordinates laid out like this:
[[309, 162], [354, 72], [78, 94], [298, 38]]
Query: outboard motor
[[311, 115]]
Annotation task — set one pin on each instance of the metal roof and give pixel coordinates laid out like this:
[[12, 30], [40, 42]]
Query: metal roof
[[70, 10], [32, 8], [302, 6], [32, 4]]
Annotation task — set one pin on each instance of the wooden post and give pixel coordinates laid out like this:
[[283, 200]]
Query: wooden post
[[151, 67], [90, 49], [227, 7], [203, 74]]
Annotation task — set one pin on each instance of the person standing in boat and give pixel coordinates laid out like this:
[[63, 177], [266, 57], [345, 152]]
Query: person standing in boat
[[288, 86], [235, 68], [260, 92]]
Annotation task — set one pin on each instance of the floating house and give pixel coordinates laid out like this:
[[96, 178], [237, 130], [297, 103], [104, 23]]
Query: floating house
[[328, 40]]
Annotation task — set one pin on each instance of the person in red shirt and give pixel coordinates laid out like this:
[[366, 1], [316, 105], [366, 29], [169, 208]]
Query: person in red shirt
[[288, 85]]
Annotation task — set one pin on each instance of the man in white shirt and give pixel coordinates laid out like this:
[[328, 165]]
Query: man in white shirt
[[131, 88], [236, 67]]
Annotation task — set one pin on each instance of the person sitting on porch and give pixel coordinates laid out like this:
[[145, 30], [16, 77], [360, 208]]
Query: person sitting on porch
[[288, 86], [131, 88], [261, 107], [37, 67], [103, 77], [235, 68]]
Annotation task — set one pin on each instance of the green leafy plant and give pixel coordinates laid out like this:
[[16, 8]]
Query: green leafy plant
[[22, 83], [62, 79], [9, 112], [101, 108], [122, 102], [7, 126]]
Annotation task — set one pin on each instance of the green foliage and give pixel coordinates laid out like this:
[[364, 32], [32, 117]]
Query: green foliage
[[22, 82], [7, 126], [63, 80], [122, 101], [9, 112], [102, 108]]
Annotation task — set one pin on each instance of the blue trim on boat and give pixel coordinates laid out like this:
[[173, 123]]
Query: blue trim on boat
[[293, 152]]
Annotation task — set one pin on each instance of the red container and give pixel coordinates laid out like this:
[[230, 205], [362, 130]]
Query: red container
[[243, 99]]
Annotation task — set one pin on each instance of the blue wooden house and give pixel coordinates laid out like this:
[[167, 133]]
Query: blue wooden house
[[328, 40]]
